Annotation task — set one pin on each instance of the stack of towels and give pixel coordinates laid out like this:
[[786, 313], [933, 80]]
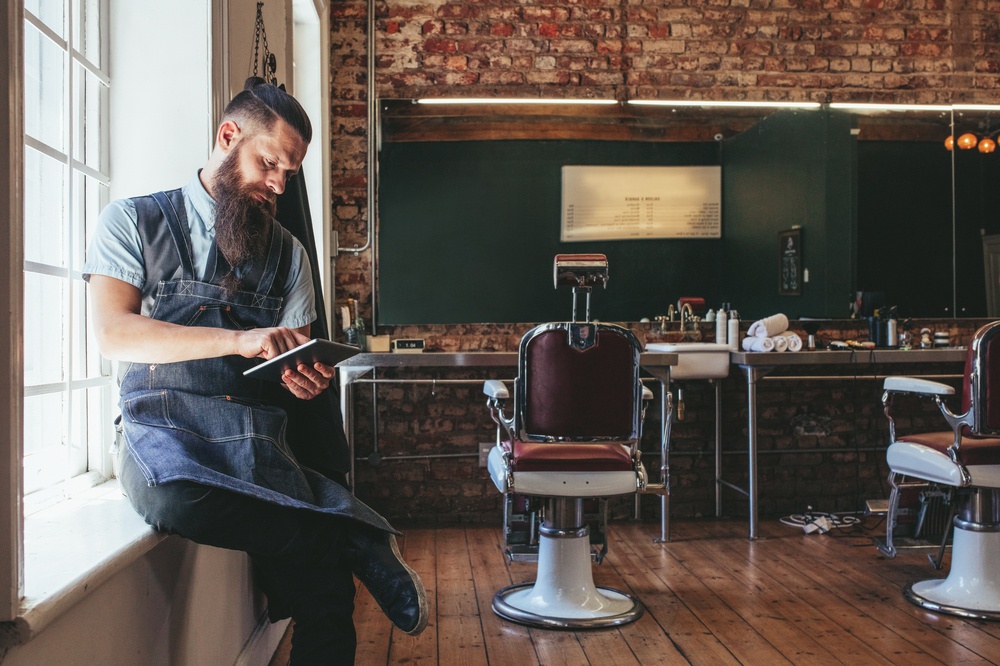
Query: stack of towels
[[771, 334]]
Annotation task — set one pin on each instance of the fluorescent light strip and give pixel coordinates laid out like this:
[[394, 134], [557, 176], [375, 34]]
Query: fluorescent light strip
[[976, 107], [861, 106], [709, 103], [510, 100]]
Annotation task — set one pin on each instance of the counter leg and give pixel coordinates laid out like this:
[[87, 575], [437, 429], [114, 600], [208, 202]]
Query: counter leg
[[751, 375], [718, 447], [347, 413], [666, 423]]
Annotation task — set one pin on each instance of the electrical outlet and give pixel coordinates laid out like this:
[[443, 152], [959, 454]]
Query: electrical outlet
[[484, 452]]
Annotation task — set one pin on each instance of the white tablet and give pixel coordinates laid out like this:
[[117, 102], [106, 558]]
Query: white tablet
[[316, 350]]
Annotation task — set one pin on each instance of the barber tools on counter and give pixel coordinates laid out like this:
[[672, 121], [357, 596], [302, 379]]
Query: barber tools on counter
[[353, 324], [883, 327], [771, 334]]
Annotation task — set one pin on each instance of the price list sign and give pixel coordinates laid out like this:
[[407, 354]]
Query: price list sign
[[623, 203]]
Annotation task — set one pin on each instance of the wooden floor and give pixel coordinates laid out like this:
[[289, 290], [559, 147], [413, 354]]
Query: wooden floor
[[711, 597]]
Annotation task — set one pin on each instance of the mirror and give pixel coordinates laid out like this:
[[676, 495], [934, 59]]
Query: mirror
[[871, 191]]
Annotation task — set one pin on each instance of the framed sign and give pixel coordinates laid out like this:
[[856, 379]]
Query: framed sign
[[640, 202], [790, 262]]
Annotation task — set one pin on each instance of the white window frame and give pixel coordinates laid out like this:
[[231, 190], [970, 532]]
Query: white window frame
[[94, 457], [12, 300]]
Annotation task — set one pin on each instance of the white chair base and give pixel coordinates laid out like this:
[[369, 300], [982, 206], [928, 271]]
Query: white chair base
[[972, 588], [564, 595]]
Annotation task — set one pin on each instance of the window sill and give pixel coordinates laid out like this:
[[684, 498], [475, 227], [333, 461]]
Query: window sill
[[71, 548]]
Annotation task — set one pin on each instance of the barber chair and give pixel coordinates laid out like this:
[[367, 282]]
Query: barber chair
[[963, 463], [571, 441]]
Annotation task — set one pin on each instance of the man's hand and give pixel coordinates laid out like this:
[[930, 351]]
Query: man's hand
[[308, 382], [303, 382], [266, 343]]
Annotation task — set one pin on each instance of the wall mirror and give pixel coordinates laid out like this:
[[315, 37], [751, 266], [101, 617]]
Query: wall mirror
[[469, 209]]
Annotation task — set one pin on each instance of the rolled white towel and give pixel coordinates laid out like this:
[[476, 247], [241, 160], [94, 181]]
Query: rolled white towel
[[794, 341], [780, 343], [758, 344], [768, 326]]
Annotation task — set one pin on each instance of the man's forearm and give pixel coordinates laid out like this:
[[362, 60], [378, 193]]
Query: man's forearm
[[135, 338]]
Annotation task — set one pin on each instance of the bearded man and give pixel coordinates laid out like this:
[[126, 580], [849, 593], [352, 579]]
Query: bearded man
[[191, 287]]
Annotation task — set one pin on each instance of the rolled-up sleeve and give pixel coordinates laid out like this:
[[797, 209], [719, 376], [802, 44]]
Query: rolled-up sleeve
[[115, 249], [299, 305]]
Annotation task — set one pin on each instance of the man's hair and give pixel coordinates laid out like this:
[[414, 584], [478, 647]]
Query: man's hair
[[259, 105]]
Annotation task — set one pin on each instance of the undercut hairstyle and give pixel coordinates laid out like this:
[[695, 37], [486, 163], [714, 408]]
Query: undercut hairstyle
[[259, 106]]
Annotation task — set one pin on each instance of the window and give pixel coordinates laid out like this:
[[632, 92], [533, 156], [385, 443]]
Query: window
[[68, 392]]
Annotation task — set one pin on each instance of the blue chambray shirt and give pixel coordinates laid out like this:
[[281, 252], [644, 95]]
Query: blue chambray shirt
[[116, 251]]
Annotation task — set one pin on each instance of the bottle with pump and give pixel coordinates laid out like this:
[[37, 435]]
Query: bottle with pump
[[892, 329], [721, 325], [734, 331]]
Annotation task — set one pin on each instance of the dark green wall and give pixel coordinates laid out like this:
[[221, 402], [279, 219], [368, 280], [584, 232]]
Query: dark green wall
[[792, 168], [468, 229]]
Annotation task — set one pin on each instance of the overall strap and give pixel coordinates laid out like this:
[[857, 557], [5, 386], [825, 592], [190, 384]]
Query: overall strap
[[172, 206], [279, 259]]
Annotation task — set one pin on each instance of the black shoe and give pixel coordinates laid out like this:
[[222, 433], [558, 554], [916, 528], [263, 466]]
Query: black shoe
[[396, 587]]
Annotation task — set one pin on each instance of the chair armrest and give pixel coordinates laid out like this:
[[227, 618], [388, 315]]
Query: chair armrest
[[494, 388], [915, 385], [646, 393]]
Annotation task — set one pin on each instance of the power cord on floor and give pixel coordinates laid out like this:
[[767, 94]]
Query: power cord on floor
[[820, 521]]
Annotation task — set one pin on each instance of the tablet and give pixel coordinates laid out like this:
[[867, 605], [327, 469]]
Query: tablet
[[316, 350]]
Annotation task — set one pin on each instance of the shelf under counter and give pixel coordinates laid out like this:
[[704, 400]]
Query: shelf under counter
[[855, 357], [871, 364]]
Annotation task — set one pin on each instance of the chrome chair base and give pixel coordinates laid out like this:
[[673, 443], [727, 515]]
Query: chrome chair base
[[564, 595], [615, 608], [972, 588]]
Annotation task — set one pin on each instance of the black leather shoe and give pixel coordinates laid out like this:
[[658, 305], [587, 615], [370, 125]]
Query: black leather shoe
[[396, 587]]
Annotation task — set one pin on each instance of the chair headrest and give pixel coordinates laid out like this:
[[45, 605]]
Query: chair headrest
[[580, 270]]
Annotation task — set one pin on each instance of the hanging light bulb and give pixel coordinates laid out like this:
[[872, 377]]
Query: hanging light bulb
[[987, 145], [949, 142], [967, 141]]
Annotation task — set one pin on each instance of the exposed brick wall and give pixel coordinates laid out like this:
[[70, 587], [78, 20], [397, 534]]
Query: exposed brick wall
[[915, 51]]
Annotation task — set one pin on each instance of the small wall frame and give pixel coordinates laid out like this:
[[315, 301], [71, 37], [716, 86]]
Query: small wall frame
[[790, 262]]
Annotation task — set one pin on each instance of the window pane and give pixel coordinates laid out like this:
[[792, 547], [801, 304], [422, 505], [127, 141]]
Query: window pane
[[89, 198], [79, 330], [55, 437], [79, 420], [98, 195], [51, 12], [44, 89], [44, 441], [45, 308], [89, 114], [87, 35], [44, 209]]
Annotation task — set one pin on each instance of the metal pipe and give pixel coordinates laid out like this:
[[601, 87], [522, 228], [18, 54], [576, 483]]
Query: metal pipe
[[845, 449], [471, 382], [424, 456], [841, 378], [735, 487]]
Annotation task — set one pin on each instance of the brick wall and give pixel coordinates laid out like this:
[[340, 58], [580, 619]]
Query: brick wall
[[916, 51]]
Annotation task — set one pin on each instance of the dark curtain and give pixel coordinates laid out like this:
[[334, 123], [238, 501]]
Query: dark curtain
[[315, 427]]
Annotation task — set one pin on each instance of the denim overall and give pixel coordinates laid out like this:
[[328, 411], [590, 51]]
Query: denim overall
[[202, 420]]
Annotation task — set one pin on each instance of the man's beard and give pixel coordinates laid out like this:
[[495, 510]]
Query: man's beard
[[242, 222]]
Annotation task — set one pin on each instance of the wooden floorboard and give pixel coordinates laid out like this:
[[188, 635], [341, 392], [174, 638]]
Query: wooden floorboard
[[711, 596]]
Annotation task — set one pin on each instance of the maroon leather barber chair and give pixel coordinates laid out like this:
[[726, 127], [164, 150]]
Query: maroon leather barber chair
[[964, 463], [571, 441]]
